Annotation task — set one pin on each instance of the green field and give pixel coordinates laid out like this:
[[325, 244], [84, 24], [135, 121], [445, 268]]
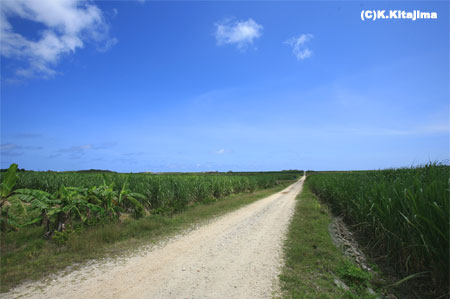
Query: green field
[[106, 194], [402, 213], [52, 220]]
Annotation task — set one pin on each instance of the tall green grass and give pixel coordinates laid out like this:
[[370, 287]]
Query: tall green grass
[[166, 193], [403, 212]]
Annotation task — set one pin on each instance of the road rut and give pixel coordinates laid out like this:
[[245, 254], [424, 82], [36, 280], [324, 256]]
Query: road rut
[[237, 255]]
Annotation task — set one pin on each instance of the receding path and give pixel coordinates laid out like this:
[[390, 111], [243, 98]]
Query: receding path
[[238, 255]]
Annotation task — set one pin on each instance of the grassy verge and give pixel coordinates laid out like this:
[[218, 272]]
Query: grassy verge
[[312, 261], [30, 257]]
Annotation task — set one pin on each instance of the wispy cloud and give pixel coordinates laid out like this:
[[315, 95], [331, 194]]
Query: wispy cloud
[[13, 150], [68, 26], [80, 151], [8, 146], [298, 44], [420, 130], [220, 152], [86, 147], [241, 33], [76, 149], [28, 135]]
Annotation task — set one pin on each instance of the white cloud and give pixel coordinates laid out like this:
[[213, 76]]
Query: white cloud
[[69, 24], [241, 33], [221, 151], [298, 46]]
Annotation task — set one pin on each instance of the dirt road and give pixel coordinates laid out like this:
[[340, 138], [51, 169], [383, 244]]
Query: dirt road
[[237, 255]]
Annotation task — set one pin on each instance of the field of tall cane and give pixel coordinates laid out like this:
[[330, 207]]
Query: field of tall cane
[[403, 212], [87, 198]]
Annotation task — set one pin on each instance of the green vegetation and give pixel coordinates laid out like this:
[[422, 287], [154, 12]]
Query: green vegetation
[[47, 226], [165, 193], [403, 213], [92, 198], [313, 262]]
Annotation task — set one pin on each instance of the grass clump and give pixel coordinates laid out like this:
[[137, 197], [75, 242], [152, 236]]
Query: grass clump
[[312, 262]]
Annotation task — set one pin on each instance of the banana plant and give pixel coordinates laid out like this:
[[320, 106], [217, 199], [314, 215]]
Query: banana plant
[[7, 198], [130, 200], [59, 207], [7, 194], [71, 200], [39, 200], [107, 198]]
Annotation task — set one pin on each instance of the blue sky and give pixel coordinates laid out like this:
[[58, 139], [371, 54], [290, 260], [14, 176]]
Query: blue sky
[[197, 86]]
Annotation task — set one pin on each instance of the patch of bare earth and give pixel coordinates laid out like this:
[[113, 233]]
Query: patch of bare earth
[[344, 239]]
